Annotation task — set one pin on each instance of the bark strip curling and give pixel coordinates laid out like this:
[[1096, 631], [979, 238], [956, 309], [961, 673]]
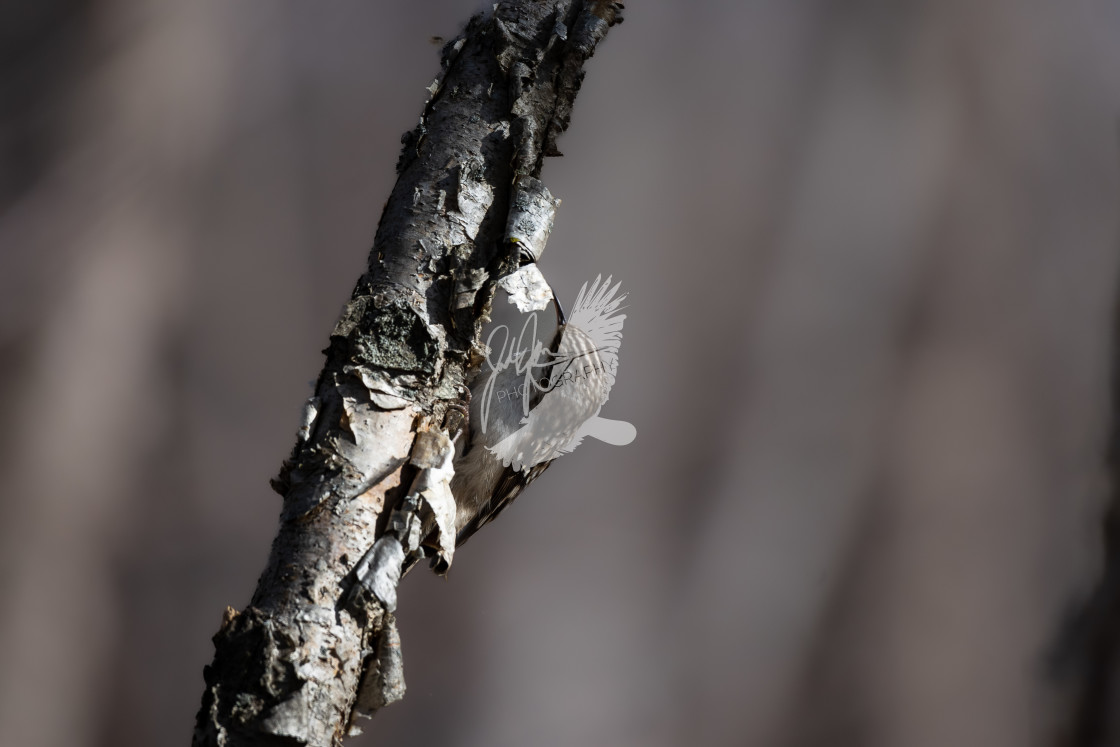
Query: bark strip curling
[[307, 656]]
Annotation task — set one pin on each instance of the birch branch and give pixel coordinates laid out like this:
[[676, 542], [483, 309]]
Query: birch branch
[[309, 654]]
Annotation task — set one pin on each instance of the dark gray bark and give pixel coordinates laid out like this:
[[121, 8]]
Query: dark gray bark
[[307, 656]]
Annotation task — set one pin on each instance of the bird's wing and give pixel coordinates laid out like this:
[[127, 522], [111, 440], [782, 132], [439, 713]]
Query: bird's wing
[[584, 358], [579, 382], [509, 487], [546, 433]]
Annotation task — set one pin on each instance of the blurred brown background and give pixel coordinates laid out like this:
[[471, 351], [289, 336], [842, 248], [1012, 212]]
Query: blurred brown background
[[870, 248]]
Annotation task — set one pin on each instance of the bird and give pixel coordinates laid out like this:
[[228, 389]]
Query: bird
[[532, 402]]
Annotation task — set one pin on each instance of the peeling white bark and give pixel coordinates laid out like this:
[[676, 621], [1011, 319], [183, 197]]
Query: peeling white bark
[[312, 651]]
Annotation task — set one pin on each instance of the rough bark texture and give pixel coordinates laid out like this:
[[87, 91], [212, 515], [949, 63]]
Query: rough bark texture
[[301, 661]]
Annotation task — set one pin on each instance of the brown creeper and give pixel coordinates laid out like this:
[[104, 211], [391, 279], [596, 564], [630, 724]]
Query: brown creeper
[[532, 402]]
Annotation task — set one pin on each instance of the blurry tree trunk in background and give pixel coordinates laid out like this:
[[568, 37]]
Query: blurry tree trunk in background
[[92, 262], [304, 660], [919, 444], [1085, 660]]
